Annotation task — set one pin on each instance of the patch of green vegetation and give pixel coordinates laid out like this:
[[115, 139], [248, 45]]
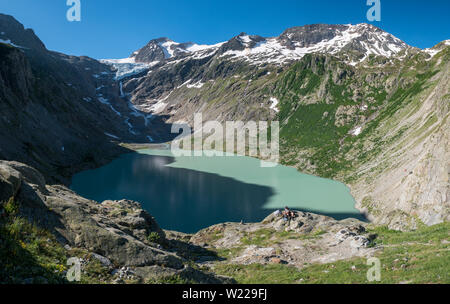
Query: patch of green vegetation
[[430, 121], [370, 205], [11, 207], [425, 234], [30, 254], [171, 279], [309, 125], [260, 274], [228, 253], [421, 256], [260, 237], [215, 236], [399, 99], [296, 82], [154, 237], [95, 273], [266, 237], [312, 126]]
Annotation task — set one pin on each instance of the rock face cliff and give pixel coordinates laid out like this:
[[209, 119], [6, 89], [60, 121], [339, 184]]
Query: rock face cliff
[[61, 113], [407, 181], [44, 119]]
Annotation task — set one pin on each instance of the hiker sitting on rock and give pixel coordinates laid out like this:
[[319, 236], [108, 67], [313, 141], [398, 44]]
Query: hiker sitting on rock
[[288, 214]]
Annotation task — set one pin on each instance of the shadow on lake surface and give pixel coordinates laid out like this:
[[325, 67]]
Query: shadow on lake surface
[[180, 199]]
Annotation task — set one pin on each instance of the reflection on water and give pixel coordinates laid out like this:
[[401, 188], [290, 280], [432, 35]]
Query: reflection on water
[[190, 193], [180, 199]]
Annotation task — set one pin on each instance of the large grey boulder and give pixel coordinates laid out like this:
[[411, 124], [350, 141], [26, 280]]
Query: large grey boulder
[[115, 230], [9, 182]]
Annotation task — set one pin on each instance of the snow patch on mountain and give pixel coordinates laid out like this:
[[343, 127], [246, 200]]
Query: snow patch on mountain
[[202, 47], [356, 131], [274, 105], [205, 50], [436, 49], [158, 107], [11, 44], [106, 102], [245, 40], [111, 135], [273, 51], [167, 48], [128, 66], [184, 83], [431, 52], [196, 85]]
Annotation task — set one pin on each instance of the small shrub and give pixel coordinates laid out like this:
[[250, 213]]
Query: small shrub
[[11, 207], [154, 237], [171, 279], [16, 227]]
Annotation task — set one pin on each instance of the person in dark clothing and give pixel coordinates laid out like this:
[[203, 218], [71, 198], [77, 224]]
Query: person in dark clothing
[[288, 214]]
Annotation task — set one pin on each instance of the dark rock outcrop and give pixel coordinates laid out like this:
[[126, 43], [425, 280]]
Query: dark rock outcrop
[[17, 34], [115, 232], [57, 110], [308, 35]]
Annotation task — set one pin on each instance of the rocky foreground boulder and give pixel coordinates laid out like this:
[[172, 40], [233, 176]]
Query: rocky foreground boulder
[[120, 234], [306, 238]]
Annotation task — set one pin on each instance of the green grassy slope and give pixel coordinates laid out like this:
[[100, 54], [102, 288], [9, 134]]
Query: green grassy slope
[[418, 257]]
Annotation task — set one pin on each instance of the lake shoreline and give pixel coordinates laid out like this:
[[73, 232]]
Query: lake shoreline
[[278, 186], [362, 210]]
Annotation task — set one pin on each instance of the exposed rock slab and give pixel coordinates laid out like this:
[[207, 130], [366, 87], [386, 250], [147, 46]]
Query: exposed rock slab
[[115, 232], [307, 238]]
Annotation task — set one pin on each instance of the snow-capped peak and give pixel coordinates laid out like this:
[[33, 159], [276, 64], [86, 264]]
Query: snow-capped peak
[[245, 39], [169, 47], [294, 43], [437, 48], [354, 43], [163, 49]]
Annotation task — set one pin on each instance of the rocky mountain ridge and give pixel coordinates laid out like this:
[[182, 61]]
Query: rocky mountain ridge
[[59, 110], [361, 40]]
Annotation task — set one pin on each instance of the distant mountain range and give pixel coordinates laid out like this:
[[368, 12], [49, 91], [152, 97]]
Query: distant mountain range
[[361, 40]]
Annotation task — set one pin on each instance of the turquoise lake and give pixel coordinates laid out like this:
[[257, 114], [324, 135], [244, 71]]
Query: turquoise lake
[[189, 193]]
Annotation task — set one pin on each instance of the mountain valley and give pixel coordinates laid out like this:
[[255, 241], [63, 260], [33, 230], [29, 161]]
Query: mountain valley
[[355, 104]]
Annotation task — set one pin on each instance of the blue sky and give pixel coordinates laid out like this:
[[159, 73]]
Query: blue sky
[[115, 28]]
